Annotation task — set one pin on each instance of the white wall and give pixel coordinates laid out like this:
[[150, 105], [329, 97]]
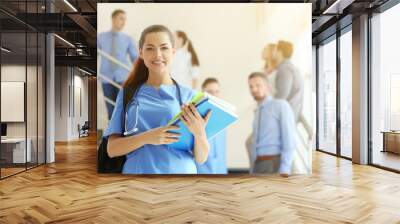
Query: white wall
[[34, 124], [15, 73], [79, 117], [61, 103], [68, 83], [228, 39]]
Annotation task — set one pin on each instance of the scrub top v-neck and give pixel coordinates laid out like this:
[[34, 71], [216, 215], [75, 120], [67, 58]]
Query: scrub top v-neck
[[155, 107]]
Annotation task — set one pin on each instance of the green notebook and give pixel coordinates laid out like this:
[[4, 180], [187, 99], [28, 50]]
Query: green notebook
[[222, 115], [195, 100]]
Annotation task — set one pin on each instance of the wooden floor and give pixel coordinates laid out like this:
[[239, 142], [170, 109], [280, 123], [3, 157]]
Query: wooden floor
[[70, 191], [5, 172]]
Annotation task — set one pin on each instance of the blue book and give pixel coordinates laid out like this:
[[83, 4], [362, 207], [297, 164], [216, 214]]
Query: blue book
[[222, 116]]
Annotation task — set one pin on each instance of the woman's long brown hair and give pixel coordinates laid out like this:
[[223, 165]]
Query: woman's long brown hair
[[140, 72], [195, 59]]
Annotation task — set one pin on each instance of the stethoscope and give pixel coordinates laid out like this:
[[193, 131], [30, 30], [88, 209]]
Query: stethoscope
[[135, 128]]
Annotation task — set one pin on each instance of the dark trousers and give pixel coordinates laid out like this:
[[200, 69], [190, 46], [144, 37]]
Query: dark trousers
[[111, 93], [267, 166]]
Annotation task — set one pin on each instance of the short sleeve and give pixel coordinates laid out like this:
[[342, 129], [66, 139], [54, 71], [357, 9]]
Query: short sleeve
[[115, 125]]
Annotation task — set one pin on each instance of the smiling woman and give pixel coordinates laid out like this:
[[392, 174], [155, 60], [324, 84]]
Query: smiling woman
[[227, 39], [160, 97]]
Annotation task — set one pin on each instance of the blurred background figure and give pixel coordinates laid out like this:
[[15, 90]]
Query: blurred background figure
[[118, 46], [268, 55], [286, 83], [289, 83], [216, 161], [273, 142], [185, 67]]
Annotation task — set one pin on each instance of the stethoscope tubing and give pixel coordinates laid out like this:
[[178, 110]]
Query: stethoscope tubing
[[135, 128]]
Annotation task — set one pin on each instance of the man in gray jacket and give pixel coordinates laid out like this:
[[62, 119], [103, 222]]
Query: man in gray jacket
[[289, 82]]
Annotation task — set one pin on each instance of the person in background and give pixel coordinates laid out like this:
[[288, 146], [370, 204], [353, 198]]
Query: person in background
[[185, 67], [216, 161], [268, 55], [289, 83], [118, 45], [274, 129]]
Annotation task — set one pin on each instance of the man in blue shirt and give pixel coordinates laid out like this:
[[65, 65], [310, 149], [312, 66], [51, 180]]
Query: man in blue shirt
[[274, 130], [216, 161], [119, 46]]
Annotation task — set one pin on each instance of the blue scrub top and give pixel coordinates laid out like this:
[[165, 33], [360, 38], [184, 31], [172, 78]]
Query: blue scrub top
[[216, 161], [155, 108]]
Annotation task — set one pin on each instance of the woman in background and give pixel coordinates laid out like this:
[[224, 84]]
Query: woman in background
[[140, 131], [268, 55], [185, 67]]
